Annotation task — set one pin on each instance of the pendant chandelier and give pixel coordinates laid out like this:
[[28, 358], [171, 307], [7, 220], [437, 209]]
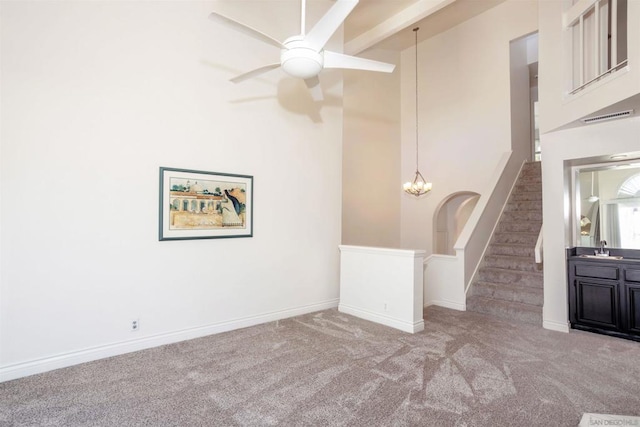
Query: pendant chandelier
[[419, 185]]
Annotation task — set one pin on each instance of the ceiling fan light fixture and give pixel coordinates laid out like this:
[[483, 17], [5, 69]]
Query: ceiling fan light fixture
[[301, 62], [304, 55]]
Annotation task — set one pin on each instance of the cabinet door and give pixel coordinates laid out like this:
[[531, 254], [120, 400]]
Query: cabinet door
[[632, 293], [597, 303], [632, 299]]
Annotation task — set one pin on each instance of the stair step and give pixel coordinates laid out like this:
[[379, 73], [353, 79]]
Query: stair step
[[529, 167], [530, 174], [529, 183], [522, 216], [507, 310], [530, 239], [530, 227], [523, 205], [529, 177], [532, 196], [503, 275], [510, 262], [527, 187], [506, 292], [515, 249]]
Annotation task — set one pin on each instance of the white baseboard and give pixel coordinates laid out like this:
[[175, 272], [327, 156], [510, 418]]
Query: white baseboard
[[403, 325], [556, 326], [38, 366], [448, 304]]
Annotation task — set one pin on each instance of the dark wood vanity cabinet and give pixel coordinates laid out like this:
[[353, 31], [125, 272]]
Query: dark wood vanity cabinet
[[604, 295]]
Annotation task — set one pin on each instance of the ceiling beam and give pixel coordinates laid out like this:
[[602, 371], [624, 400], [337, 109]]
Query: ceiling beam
[[398, 22]]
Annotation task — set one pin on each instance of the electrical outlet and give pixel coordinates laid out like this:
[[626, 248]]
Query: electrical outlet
[[386, 307], [135, 325]]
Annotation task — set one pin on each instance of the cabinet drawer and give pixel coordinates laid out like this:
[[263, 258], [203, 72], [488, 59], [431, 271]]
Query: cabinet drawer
[[631, 275], [598, 271]]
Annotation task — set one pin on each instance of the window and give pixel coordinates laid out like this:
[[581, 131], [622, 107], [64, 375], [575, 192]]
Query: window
[[630, 187]]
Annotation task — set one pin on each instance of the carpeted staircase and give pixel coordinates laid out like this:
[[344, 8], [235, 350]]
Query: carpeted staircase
[[509, 282]]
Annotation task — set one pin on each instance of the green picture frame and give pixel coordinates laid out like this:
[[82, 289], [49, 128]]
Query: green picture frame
[[198, 204]]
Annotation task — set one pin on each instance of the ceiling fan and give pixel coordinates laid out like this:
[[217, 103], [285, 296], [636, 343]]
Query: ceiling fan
[[303, 56], [592, 198]]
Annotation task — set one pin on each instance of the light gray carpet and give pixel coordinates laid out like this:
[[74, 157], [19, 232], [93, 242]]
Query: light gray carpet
[[331, 369]]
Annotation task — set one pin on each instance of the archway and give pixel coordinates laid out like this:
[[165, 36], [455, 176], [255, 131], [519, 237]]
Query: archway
[[450, 218]]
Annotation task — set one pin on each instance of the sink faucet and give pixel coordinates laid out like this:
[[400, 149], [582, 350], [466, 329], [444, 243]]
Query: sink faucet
[[603, 243]]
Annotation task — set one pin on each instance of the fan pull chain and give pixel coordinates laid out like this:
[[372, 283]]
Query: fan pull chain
[[303, 13]]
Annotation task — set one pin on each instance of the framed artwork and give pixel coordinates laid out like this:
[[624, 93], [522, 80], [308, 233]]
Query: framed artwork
[[204, 205]]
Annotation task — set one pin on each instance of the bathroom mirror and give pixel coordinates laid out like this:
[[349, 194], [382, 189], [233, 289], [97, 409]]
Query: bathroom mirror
[[607, 201]]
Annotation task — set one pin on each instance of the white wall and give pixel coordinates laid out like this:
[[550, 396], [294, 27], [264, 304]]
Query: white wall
[[561, 109], [560, 150], [372, 185], [581, 145], [95, 97], [464, 110], [520, 101], [383, 285]]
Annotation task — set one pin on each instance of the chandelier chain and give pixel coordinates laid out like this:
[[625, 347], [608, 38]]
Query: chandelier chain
[[419, 185], [415, 30]]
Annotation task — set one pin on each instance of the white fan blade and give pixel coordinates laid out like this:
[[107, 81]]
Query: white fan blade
[[329, 23], [252, 32], [339, 60], [313, 83], [254, 73]]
